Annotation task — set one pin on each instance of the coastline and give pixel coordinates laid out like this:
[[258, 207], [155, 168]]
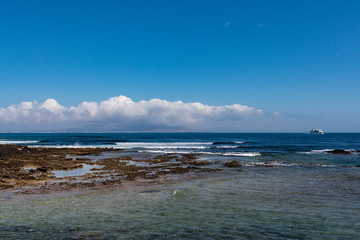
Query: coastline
[[28, 170], [167, 186]]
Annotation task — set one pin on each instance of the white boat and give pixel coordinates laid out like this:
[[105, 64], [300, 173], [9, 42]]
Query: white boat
[[316, 131]]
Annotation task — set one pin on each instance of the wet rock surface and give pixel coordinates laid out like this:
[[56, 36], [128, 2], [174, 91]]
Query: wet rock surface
[[30, 169], [232, 164], [340, 152]]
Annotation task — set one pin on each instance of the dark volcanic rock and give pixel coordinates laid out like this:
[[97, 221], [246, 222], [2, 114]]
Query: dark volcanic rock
[[339, 151], [232, 164], [21, 166], [200, 163], [42, 169]]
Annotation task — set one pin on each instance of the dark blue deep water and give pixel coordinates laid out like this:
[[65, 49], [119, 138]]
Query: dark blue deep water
[[276, 148], [290, 187]]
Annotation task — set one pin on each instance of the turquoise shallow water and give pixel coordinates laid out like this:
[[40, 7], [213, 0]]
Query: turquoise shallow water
[[260, 204], [288, 188]]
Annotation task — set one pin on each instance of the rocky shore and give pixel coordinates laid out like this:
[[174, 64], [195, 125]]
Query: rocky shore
[[32, 169], [43, 169]]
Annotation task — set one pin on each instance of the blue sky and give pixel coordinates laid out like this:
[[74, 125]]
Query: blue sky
[[299, 58]]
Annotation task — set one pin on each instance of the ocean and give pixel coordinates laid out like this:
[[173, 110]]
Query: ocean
[[290, 186]]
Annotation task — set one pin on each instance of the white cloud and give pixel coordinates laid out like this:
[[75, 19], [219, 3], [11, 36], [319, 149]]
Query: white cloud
[[123, 114], [52, 106]]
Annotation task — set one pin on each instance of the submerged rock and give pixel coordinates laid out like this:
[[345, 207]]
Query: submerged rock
[[232, 164], [200, 163], [339, 151]]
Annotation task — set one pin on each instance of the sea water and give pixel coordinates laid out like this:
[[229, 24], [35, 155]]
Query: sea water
[[288, 188]]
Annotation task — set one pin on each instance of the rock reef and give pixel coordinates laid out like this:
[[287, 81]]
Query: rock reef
[[340, 152], [23, 167]]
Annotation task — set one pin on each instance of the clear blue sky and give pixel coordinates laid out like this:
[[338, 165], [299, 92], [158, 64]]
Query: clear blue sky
[[301, 58]]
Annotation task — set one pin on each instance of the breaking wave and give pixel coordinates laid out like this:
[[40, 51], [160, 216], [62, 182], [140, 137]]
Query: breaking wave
[[242, 154], [223, 143], [175, 145], [330, 151], [17, 142]]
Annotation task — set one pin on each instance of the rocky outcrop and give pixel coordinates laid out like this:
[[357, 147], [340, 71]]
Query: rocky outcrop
[[232, 164], [340, 151]]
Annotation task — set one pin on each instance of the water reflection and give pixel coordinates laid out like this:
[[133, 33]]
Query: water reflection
[[86, 168]]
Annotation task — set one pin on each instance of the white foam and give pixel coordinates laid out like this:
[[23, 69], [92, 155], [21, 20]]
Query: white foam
[[175, 145], [16, 142], [316, 151], [74, 146], [326, 151], [325, 165], [270, 164], [167, 152], [227, 146], [321, 150], [243, 154]]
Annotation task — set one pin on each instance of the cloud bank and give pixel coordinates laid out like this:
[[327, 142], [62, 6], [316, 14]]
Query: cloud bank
[[123, 114]]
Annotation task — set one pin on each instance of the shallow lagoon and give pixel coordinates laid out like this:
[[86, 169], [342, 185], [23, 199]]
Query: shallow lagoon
[[266, 203]]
